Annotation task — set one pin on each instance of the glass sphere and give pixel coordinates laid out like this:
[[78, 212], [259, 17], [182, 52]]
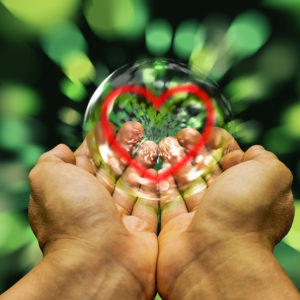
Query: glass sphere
[[138, 145]]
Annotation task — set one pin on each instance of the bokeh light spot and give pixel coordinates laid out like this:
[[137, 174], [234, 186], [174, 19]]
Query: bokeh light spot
[[158, 37], [279, 140], [69, 116], [188, 35], [13, 28], [14, 133], [13, 224], [117, 18], [246, 90], [78, 67], [61, 41], [30, 154], [73, 90], [202, 60], [247, 33], [247, 132], [141, 16], [291, 119], [42, 14], [19, 100], [293, 237]]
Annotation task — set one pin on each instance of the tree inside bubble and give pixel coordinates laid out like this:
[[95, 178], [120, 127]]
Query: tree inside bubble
[[182, 110]]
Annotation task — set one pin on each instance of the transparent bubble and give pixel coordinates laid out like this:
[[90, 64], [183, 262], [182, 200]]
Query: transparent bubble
[[139, 146]]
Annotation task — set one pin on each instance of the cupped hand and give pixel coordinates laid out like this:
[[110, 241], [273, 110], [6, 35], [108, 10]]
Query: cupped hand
[[75, 207], [239, 208]]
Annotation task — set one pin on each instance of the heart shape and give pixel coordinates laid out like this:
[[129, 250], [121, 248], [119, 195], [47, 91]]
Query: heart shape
[[157, 102]]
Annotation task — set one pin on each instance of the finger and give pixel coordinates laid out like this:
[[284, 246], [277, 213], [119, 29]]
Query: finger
[[258, 153], [99, 144], [269, 159], [135, 224], [99, 133], [102, 153], [231, 159], [60, 153], [83, 158], [171, 202], [204, 160], [146, 206], [93, 141], [106, 177], [87, 154], [189, 182], [128, 137], [221, 146], [128, 185], [188, 137], [225, 146], [126, 190]]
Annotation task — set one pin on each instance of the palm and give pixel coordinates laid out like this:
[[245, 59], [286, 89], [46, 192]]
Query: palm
[[174, 239], [232, 206], [181, 222], [136, 219]]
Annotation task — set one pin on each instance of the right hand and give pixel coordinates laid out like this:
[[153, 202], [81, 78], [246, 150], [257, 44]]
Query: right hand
[[245, 208], [76, 218]]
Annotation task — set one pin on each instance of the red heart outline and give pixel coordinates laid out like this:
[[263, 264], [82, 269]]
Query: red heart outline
[[157, 102]]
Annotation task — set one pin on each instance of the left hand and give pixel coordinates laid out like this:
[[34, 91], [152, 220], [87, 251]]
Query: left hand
[[71, 212]]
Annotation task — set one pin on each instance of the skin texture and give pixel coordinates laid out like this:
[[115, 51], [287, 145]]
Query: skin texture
[[91, 250], [216, 242]]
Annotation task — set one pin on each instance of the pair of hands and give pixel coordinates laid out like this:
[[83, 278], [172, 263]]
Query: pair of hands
[[215, 243]]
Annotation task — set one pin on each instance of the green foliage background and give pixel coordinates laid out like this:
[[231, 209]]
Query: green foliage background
[[53, 55]]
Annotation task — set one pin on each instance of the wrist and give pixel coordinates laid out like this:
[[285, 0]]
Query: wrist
[[242, 267], [94, 274]]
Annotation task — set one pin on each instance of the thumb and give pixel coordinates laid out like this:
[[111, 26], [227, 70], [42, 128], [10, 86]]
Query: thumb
[[258, 153], [60, 153]]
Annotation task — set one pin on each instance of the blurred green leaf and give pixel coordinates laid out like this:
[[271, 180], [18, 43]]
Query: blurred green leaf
[[73, 90], [69, 116], [279, 141], [15, 232], [291, 119], [158, 37], [19, 100], [61, 41], [40, 14], [247, 33], [14, 133], [188, 35], [293, 237], [30, 154], [116, 18]]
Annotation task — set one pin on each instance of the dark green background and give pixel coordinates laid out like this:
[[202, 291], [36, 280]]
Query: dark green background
[[53, 54]]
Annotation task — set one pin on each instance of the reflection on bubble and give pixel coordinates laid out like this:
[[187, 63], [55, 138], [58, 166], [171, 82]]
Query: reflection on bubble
[[154, 140]]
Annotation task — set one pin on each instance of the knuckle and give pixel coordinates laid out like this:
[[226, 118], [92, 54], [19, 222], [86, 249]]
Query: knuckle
[[284, 171], [62, 147], [288, 174], [32, 174], [43, 157], [257, 148]]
